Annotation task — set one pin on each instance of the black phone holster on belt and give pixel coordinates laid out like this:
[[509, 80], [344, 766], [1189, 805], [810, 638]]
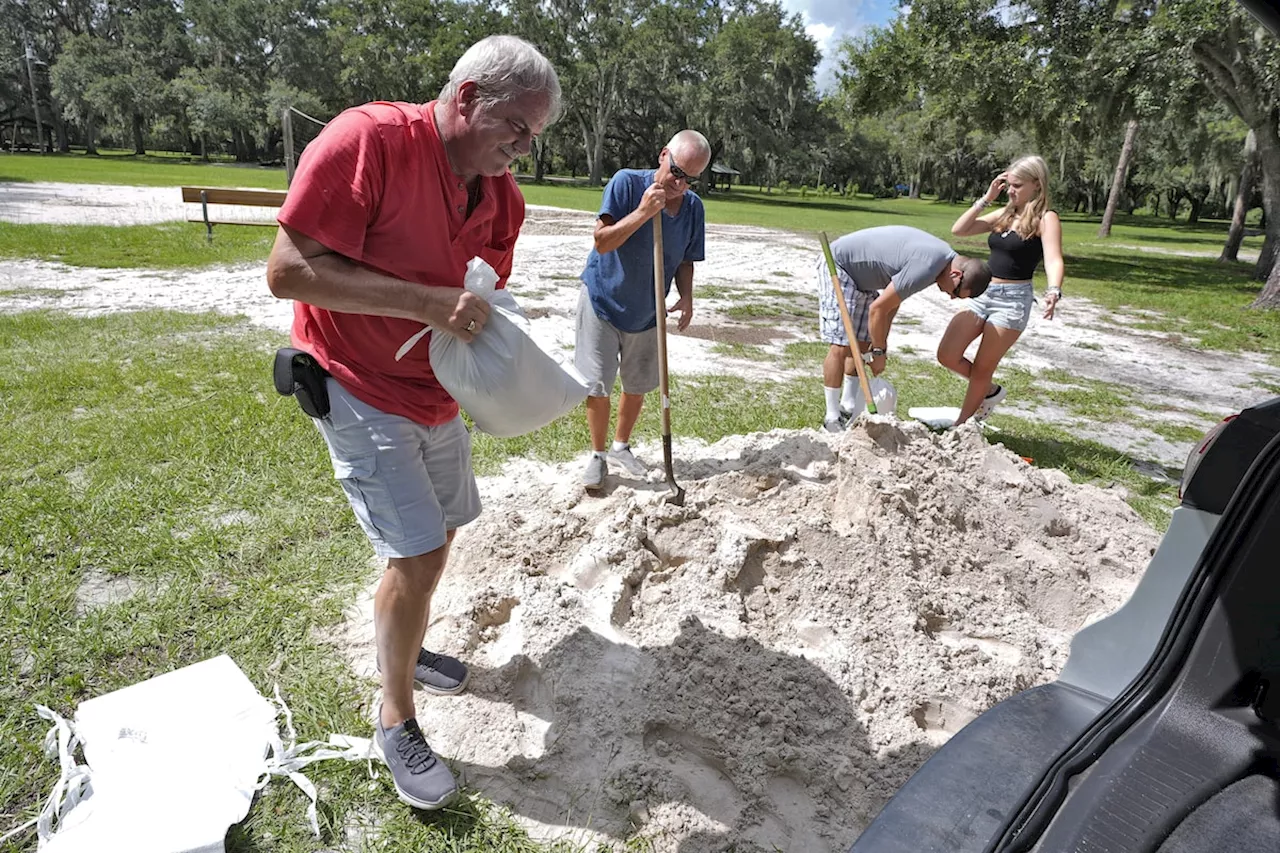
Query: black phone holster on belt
[[298, 374]]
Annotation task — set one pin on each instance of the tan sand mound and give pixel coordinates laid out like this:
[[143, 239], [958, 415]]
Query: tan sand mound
[[762, 668]]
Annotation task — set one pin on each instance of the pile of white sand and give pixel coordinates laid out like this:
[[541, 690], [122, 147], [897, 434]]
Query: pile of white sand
[[762, 668]]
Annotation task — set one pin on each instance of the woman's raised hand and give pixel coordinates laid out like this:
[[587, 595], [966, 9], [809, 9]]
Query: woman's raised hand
[[997, 186]]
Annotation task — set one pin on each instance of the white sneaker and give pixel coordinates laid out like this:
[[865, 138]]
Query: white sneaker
[[628, 460], [988, 405]]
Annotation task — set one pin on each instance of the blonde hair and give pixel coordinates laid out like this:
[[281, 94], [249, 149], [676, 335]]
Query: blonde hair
[[1027, 221]]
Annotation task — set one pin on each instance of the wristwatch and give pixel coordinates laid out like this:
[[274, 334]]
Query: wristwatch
[[872, 354]]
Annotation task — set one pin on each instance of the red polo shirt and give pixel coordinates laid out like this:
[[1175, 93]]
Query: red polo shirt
[[376, 186]]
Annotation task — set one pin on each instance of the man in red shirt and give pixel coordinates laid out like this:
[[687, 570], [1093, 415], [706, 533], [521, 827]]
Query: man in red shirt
[[388, 205]]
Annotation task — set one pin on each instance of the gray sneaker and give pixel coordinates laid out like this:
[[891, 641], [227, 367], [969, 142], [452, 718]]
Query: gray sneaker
[[628, 460], [989, 403], [593, 476], [422, 780], [836, 425], [440, 674]]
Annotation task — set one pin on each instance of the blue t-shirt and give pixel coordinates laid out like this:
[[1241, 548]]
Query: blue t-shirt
[[620, 283]]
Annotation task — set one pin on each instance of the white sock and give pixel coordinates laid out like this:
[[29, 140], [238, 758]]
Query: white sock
[[848, 398], [620, 445], [599, 453], [833, 402]]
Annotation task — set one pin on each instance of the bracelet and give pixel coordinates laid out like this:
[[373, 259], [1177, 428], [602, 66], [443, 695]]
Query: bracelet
[[981, 203], [1054, 291]]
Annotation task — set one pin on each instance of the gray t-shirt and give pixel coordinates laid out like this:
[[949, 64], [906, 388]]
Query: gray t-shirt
[[907, 256]]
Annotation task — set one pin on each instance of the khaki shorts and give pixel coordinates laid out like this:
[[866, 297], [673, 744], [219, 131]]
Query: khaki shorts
[[601, 352], [408, 484]]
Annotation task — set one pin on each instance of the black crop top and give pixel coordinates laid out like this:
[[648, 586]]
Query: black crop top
[[1013, 258]]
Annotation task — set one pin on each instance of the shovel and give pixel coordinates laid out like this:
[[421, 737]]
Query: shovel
[[660, 305]]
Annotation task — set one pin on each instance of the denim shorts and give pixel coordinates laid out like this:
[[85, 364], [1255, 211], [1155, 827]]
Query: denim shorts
[[601, 351], [1007, 304], [408, 484]]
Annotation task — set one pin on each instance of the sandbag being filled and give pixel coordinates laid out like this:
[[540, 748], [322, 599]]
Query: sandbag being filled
[[502, 379]]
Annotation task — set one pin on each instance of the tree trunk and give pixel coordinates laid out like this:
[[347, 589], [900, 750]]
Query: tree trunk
[[1269, 298], [90, 133], [1248, 174], [139, 145], [1197, 203], [60, 131], [1117, 182], [592, 169], [1268, 140]]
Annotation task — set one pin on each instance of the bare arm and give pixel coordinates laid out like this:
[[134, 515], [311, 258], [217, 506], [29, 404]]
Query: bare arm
[[883, 310], [303, 269], [1054, 267], [609, 235], [684, 286], [970, 224]]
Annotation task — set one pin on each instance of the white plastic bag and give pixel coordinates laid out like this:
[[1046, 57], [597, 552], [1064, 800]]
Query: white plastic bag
[[504, 381], [882, 392], [172, 762]]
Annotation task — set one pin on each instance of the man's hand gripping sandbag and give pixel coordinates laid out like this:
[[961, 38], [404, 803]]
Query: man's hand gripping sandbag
[[503, 380]]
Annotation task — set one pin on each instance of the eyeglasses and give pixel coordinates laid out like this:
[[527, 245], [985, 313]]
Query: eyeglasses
[[955, 292], [676, 172]]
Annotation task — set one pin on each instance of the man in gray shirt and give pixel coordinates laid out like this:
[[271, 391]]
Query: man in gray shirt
[[878, 268]]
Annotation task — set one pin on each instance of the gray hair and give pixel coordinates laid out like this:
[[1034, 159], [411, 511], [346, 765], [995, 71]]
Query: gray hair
[[504, 68], [692, 143]]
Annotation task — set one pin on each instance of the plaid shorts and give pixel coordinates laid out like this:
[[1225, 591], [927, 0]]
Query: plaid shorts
[[830, 324]]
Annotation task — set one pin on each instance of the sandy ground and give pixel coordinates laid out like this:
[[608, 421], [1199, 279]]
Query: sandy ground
[[762, 668], [1184, 383]]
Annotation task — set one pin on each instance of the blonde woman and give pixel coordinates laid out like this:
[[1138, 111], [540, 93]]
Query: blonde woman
[[1022, 234]]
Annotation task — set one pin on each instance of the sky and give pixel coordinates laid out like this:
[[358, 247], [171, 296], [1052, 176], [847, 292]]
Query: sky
[[829, 21]]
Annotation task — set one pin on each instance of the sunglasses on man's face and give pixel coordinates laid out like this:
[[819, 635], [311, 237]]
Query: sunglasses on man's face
[[955, 291], [676, 172]]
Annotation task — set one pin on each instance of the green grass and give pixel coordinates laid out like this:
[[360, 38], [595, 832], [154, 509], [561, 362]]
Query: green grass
[[758, 311], [150, 446], [158, 170], [737, 350], [1178, 433], [800, 354], [170, 245], [40, 293]]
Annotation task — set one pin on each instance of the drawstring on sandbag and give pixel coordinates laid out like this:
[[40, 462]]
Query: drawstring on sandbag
[[288, 757], [73, 778]]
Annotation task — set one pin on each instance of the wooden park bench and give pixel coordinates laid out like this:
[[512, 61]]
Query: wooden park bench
[[205, 196]]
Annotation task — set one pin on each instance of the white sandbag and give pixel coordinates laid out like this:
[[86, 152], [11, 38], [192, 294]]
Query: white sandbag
[[883, 394], [171, 763], [935, 417], [502, 379]]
